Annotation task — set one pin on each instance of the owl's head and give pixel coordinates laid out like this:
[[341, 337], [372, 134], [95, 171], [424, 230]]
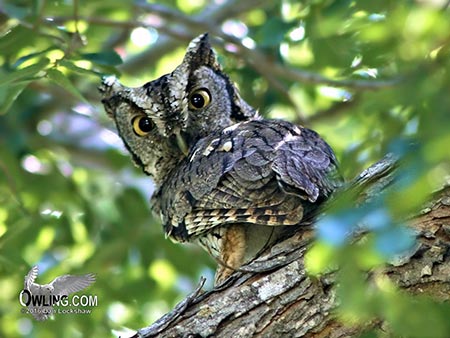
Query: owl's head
[[161, 120]]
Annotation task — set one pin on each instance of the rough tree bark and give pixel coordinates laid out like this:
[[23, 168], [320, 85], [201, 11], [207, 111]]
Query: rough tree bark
[[283, 301]]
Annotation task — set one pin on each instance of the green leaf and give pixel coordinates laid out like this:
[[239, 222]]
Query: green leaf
[[16, 39], [59, 78], [107, 70], [107, 58], [32, 55], [79, 70], [405, 316], [15, 11], [273, 32], [24, 73], [319, 258], [8, 94]]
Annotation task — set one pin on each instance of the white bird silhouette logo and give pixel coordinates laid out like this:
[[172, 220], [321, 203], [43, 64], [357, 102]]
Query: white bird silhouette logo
[[42, 297]]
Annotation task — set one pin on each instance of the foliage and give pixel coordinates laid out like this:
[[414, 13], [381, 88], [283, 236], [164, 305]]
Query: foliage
[[371, 76]]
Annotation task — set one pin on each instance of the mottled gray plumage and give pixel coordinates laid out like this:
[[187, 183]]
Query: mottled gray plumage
[[166, 102], [62, 285], [259, 172], [242, 175]]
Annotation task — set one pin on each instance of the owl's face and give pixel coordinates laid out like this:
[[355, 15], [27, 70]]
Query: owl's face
[[161, 120]]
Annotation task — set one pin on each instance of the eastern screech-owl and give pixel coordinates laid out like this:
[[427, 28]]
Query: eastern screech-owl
[[225, 177]]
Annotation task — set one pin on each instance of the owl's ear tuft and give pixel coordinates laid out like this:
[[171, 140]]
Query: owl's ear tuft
[[200, 53], [241, 110]]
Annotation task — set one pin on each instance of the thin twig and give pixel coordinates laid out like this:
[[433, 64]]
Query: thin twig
[[444, 8], [197, 24], [258, 61]]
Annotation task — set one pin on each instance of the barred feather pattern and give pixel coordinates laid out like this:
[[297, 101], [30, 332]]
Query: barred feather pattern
[[225, 178], [262, 172]]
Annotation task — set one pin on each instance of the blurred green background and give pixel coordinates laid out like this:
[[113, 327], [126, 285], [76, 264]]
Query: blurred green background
[[370, 76]]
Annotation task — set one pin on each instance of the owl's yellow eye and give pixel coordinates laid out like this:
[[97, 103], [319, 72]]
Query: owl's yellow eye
[[199, 99], [142, 125]]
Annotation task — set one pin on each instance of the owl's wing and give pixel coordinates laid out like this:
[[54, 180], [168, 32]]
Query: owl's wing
[[260, 172], [67, 284], [306, 165], [30, 277]]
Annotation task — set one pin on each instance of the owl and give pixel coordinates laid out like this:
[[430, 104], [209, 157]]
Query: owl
[[226, 178], [161, 120]]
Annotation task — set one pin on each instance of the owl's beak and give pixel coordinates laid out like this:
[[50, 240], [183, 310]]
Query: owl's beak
[[181, 142]]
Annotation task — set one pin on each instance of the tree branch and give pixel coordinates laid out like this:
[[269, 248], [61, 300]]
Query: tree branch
[[283, 301], [210, 21], [184, 27]]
